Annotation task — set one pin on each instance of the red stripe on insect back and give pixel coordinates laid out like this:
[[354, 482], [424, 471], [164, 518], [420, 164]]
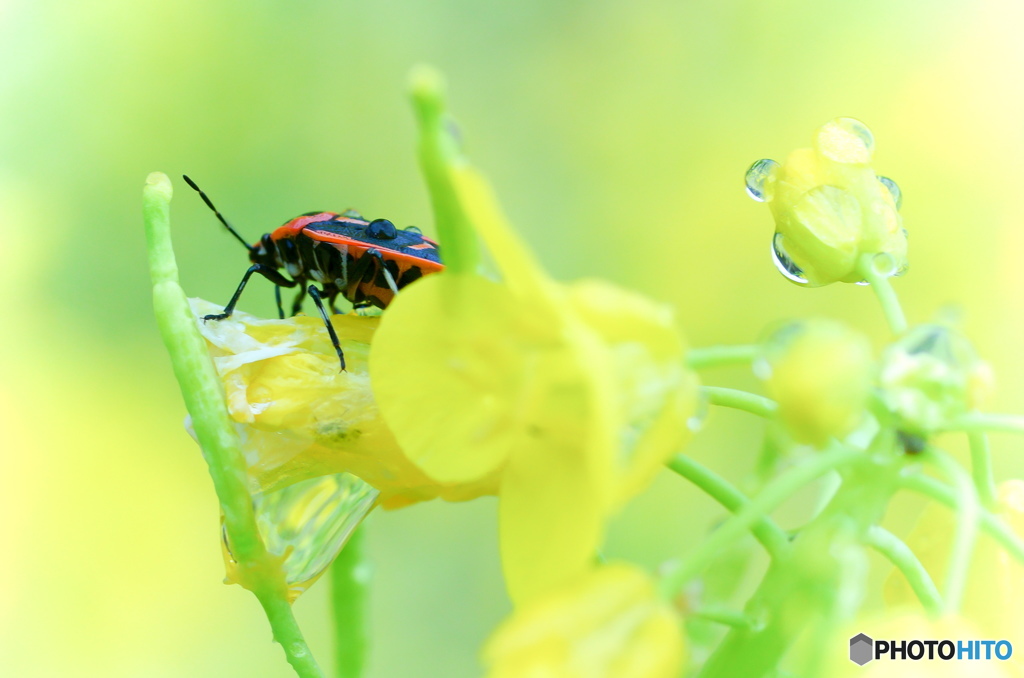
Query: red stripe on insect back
[[337, 238], [293, 227]]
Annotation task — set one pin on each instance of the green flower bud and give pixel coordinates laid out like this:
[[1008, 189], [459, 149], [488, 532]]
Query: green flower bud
[[830, 207], [931, 375], [819, 372]]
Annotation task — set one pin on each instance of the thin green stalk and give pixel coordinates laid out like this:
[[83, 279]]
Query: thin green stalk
[[724, 616], [439, 153], [993, 423], [819, 582], [771, 536], [881, 285], [900, 555], [721, 356], [989, 522], [740, 400], [967, 517], [201, 390], [288, 634], [773, 494], [981, 467], [349, 581]]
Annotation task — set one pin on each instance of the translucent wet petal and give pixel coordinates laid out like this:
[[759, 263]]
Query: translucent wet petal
[[307, 524], [610, 624]]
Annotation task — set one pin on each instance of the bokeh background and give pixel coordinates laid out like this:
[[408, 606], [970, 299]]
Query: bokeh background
[[617, 135]]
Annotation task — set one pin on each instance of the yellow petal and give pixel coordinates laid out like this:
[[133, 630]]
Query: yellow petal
[[456, 386], [608, 624], [654, 394]]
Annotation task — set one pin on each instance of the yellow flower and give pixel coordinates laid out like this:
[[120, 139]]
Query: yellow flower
[[610, 624], [994, 595], [830, 207], [573, 396], [298, 417], [820, 374]]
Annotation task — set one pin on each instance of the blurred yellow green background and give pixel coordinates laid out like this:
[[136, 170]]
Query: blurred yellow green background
[[617, 135]]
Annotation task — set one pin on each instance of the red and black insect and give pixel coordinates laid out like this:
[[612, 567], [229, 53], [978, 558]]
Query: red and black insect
[[366, 262]]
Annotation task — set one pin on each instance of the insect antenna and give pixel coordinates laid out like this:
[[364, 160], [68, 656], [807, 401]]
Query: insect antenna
[[215, 211]]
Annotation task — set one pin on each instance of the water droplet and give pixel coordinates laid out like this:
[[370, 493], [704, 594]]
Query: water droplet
[[846, 140], [894, 190], [415, 230], [757, 179], [884, 264], [762, 369], [696, 422], [784, 263]]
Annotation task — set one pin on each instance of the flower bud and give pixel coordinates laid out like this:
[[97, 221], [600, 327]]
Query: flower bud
[[931, 375], [819, 372], [830, 207]]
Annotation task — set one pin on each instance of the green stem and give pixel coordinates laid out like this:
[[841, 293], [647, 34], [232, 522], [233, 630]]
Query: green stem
[[740, 400], [981, 467], [288, 634], [900, 555], [882, 287], [258, 570], [771, 536], [773, 494], [349, 580], [967, 517], [821, 582], [989, 522], [724, 616], [994, 423], [721, 356], [439, 153]]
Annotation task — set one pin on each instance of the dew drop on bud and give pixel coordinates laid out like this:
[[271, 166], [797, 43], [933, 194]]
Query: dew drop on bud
[[894, 190], [757, 179], [847, 141], [784, 263], [884, 264]]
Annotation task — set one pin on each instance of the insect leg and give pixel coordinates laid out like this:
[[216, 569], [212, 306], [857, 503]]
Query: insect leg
[[384, 267], [315, 293], [277, 298], [355, 276], [270, 274], [299, 298], [332, 294]]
